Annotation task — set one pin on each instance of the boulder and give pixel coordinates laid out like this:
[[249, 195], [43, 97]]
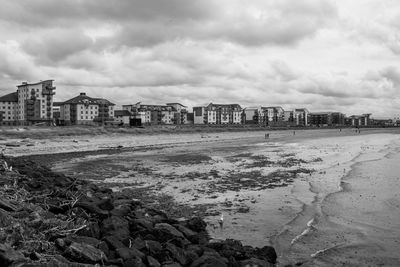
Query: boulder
[[253, 262], [196, 224], [114, 242], [177, 253], [84, 253], [168, 230], [268, 253], [9, 256], [153, 247], [208, 260], [152, 262], [116, 226], [129, 253]]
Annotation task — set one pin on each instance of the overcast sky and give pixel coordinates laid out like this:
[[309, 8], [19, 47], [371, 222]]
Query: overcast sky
[[318, 54]]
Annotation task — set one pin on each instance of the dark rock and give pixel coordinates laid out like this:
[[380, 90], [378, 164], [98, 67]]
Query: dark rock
[[268, 253], [253, 262], [172, 264], [113, 242], [177, 253], [92, 230], [152, 262], [153, 247], [105, 204], [116, 226], [196, 224], [134, 262], [9, 256], [210, 261], [168, 230], [143, 223], [189, 234], [129, 253], [121, 210], [139, 243], [104, 247], [84, 253]]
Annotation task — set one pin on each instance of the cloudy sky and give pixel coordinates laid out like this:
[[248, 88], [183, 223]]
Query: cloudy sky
[[324, 55]]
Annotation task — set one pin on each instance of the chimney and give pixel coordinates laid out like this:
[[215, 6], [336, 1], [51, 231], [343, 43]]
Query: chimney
[[82, 93]]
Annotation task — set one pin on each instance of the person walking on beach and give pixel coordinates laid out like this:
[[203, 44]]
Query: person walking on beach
[[294, 132], [267, 136]]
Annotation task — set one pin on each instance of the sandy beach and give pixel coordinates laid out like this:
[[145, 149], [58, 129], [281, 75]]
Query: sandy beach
[[320, 197]]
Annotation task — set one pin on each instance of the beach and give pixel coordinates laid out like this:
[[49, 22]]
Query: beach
[[320, 197]]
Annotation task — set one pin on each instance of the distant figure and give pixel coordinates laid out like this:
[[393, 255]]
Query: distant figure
[[267, 136], [221, 221], [294, 132], [340, 129]]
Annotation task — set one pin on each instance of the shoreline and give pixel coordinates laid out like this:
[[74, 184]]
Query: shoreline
[[320, 222]]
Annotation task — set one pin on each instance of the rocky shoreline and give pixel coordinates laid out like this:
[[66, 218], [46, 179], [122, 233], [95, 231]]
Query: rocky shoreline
[[49, 219]]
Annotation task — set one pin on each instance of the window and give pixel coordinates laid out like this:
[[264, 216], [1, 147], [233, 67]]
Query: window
[[81, 111], [91, 112], [86, 117], [81, 117]]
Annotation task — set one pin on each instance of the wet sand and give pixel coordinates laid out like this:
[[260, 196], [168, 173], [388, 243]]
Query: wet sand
[[339, 213]]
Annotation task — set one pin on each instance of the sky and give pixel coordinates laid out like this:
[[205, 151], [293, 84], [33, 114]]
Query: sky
[[323, 55]]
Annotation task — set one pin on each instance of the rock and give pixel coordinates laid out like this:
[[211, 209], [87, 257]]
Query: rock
[[168, 230], [177, 253], [172, 264], [189, 234], [153, 247], [113, 242], [9, 256], [84, 253], [196, 224], [139, 243], [92, 230], [146, 224], [116, 226], [268, 253], [105, 204], [253, 262], [209, 261], [134, 262], [152, 262], [129, 253]]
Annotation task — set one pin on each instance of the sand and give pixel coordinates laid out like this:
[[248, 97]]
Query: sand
[[345, 212]]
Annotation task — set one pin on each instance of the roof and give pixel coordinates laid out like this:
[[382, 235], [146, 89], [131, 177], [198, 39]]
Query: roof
[[13, 97], [121, 113], [83, 99], [57, 104], [168, 104], [25, 83]]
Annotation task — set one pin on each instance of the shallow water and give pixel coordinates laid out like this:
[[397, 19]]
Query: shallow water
[[357, 225]]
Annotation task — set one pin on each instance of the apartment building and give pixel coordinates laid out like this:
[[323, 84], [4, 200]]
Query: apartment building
[[8, 109], [171, 113], [83, 109], [275, 116], [300, 116], [32, 103], [360, 120], [326, 119], [253, 115], [218, 114]]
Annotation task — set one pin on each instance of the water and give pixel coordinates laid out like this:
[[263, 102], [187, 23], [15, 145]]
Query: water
[[356, 225]]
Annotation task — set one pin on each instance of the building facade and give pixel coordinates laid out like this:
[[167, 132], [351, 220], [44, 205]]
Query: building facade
[[171, 113], [326, 119], [32, 103], [83, 109], [8, 109], [218, 114]]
